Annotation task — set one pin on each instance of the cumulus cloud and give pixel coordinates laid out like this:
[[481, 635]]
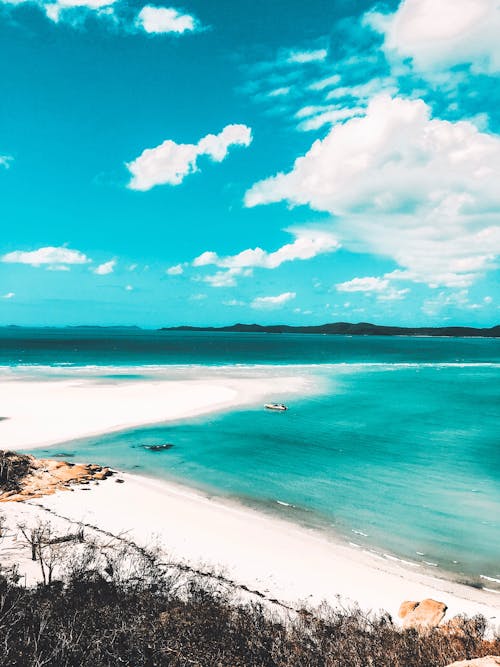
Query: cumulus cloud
[[176, 270], [9, 295], [5, 161], [270, 302], [437, 35], [165, 19], [105, 268], [49, 256], [307, 244], [169, 163], [398, 183]]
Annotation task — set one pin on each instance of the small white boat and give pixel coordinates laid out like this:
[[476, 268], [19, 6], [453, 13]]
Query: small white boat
[[276, 406]]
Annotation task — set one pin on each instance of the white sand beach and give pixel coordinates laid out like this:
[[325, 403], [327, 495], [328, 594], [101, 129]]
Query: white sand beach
[[280, 559], [60, 408]]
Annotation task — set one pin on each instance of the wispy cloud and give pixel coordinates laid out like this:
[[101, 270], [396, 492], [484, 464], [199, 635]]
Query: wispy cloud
[[49, 256], [150, 19], [9, 295], [68, 11], [175, 270], [105, 268], [271, 302], [303, 57], [368, 284], [226, 278], [5, 161], [169, 163], [444, 301]]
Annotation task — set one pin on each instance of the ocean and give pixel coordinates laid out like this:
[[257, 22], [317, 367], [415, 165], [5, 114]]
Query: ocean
[[397, 452]]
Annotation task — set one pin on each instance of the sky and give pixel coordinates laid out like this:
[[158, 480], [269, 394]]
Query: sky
[[221, 161]]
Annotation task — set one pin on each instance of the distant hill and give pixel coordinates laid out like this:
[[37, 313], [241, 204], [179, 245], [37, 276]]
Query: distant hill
[[348, 329]]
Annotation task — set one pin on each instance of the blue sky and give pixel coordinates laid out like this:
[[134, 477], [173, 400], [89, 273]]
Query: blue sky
[[214, 162]]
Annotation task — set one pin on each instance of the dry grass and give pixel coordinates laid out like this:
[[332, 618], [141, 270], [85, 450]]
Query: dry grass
[[134, 613]]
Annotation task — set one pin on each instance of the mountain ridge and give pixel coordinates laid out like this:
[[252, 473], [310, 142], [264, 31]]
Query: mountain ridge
[[350, 329]]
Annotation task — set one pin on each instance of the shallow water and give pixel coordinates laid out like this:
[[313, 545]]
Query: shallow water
[[400, 453]]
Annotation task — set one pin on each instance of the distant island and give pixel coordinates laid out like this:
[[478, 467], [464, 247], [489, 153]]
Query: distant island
[[348, 329]]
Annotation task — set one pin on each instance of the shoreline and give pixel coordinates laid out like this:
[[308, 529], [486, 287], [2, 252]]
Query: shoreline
[[57, 410], [280, 557], [283, 560]]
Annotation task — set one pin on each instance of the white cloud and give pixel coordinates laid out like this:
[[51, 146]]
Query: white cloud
[[66, 9], [233, 303], [54, 10], [105, 268], [226, 278], [279, 92], [58, 267], [449, 300], [176, 270], [270, 302], [365, 91], [393, 294], [440, 34], [171, 162], [368, 284], [317, 116], [5, 161], [381, 287], [9, 295], [128, 288], [421, 191], [151, 19], [165, 19], [301, 57], [487, 300], [327, 82], [307, 244], [50, 256]]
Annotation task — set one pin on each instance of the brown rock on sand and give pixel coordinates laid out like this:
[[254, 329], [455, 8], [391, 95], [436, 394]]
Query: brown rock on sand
[[45, 476], [489, 661], [406, 608], [422, 616]]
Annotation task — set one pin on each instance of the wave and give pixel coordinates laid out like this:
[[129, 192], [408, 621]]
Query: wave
[[492, 579], [342, 365]]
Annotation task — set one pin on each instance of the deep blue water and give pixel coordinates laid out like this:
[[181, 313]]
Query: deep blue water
[[81, 346], [400, 452]]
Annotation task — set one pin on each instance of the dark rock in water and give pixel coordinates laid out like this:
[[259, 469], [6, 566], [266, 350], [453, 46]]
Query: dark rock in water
[[158, 448]]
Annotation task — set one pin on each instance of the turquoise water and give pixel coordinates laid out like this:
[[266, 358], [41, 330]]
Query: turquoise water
[[399, 453]]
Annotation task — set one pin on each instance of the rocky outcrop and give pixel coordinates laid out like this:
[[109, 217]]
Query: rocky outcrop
[[488, 661], [422, 616], [44, 477]]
